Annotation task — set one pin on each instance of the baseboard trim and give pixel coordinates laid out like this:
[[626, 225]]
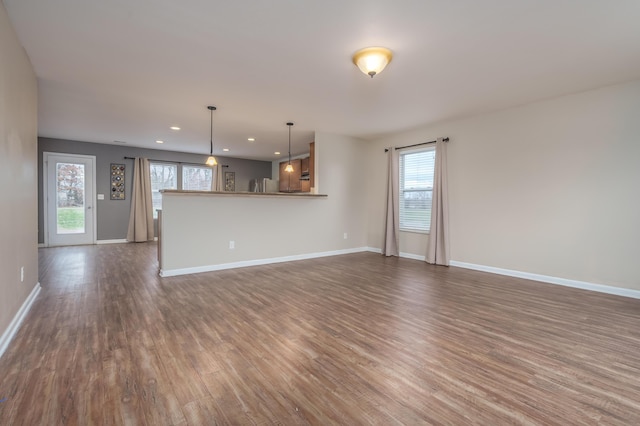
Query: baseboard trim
[[14, 326], [412, 256], [600, 288], [118, 241], [402, 254], [245, 263]]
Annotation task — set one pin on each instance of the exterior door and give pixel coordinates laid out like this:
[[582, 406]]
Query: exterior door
[[69, 205]]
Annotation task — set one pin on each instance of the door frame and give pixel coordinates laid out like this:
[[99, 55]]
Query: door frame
[[45, 191]]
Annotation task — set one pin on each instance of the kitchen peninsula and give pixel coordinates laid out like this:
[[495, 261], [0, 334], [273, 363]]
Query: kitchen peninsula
[[204, 231]]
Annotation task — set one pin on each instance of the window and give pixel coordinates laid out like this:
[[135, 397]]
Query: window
[[416, 187], [196, 178], [163, 176], [172, 176]]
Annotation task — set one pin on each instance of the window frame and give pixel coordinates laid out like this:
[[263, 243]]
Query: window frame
[[152, 164], [181, 168], [402, 190], [179, 177]]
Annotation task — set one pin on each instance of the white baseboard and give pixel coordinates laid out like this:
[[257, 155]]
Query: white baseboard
[[402, 254], [245, 263], [601, 288], [499, 271], [14, 326], [119, 241], [412, 256]]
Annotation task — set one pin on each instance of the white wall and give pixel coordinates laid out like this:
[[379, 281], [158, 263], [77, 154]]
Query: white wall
[[197, 229], [18, 133], [549, 188]]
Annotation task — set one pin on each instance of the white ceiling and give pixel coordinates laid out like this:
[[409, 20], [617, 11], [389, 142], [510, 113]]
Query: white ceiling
[[124, 70]]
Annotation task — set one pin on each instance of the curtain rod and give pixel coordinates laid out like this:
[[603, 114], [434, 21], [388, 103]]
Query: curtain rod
[[416, 144], [169, 161]]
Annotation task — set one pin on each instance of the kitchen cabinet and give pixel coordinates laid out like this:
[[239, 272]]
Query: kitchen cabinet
[[312, 164], [290, 182], [305, 182], [302, 178]]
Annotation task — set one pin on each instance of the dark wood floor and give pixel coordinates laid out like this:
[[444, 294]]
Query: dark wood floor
[[355, 339]]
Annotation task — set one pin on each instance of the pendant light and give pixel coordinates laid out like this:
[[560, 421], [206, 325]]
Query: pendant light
[[289, 167], [211, 161]]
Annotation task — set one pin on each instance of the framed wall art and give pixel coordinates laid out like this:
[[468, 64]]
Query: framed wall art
[[230, 181], [117, 181]]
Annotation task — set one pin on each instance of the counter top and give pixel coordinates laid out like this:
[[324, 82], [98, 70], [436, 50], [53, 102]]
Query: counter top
[[244, 194]]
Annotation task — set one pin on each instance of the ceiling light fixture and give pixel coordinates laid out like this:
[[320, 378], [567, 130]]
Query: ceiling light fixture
[[289, 167], [174, 128], [251, 139], [277, 153], [159, 141], [211, 161], [372, 60], [225, 149]]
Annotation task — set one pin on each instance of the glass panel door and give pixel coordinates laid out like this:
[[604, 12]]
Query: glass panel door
[[70, 189], [70, 215]]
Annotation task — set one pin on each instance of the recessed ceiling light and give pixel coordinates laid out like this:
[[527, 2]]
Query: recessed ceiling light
[[225, 149], [277, 153], [251, 139], [159, 141], [174, 128]]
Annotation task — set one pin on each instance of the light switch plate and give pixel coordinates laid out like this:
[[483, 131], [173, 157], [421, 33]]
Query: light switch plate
[[100, 196]]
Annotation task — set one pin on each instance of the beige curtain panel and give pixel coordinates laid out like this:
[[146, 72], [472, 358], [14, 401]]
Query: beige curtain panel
[[217, 182], [392, 224], [438, 247], [141, 215]]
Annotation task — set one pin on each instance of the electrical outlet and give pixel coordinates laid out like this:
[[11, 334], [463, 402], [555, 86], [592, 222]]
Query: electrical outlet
[[22, 274], [345, 235], [232, 245]]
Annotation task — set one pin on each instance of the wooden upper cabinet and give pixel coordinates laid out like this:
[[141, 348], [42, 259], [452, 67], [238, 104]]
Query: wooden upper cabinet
[[283, 179], [290, 182], [312, 164], [304, 166]]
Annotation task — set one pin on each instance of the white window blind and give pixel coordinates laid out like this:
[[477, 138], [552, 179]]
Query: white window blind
[[416, 188], [196, 178]]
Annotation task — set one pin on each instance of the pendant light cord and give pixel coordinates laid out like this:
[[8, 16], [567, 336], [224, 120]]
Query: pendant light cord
[[289, 124], [211, 133], [211, 108], [289, 144]]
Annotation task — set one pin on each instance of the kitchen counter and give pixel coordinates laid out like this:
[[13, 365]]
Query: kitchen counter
[[206, 231], [244, 194]]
